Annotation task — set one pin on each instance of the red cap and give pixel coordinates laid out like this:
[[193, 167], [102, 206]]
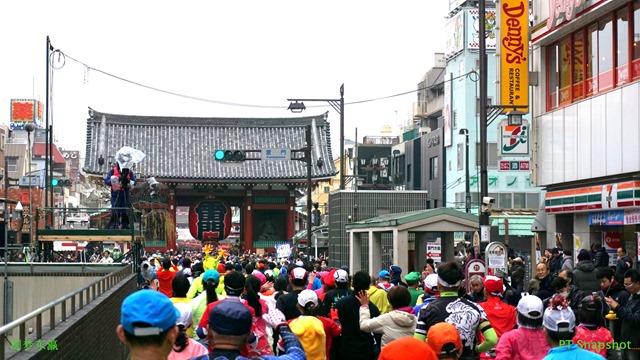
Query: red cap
[[221, 268], [494, 285], [329, 280]]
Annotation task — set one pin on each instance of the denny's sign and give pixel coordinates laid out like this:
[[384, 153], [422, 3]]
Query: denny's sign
[[514, 54]]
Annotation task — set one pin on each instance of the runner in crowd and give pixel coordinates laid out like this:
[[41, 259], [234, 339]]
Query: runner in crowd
[[430, 284], [591, 329], [501, 315], [443, 338], [355, 343], [185, 347], [560, 327], [393, 325], [341, 279], [148, 325], [378, 297], [229, 329], [413, 282], [466, 315], [528, 341]]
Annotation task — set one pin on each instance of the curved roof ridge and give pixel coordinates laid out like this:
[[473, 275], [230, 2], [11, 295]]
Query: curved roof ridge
[[95, 115]]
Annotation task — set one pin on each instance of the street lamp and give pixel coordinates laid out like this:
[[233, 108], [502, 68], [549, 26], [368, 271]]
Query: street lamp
[[514, 117], [29, 128], [297, 106], [467, 187]]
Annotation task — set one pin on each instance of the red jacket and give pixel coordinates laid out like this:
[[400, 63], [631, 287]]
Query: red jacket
[[165, 278]]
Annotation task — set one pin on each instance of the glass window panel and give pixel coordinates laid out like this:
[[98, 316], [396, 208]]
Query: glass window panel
[[636, 40], [533, 200], [565, 71], [605, 55], [552, 71], [622, 50], [504, 200], [519, 200], [592, 60], [578, 65], [492, 154]]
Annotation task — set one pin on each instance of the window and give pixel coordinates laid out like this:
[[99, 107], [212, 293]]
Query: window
[[592, 60], [533, 200], [504, 200], [622, 50], [578, 65], [605, 55], [564, 62], [492, 155], [409, 172], [519, 200], [552, 70], [433, 168], [460, 156], [636, 41], [12, 164]]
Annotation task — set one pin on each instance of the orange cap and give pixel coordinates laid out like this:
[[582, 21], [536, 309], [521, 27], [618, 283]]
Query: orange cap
[[444, 339]]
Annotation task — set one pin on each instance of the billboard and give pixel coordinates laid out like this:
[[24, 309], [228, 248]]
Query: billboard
[[490, 29], [447, 109], [24, 111], [514, 54], [454, 30]]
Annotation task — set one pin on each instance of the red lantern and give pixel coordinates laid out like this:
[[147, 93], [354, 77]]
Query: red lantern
[[210, 220]]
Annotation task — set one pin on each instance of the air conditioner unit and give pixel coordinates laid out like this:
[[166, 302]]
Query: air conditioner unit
[[425, 130]]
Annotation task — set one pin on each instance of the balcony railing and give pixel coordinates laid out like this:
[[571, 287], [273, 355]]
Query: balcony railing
[[428, 108]]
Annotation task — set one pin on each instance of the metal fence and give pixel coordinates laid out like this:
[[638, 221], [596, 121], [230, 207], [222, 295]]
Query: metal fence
[[56, 312]]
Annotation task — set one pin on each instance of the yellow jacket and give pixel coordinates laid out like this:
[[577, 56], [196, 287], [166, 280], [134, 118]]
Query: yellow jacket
[[379, 298]]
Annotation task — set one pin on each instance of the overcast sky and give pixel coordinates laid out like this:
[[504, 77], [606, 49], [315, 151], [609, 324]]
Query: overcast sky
[[247, 52]]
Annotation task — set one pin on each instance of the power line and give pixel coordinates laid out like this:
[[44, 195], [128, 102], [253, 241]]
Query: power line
[[227, 103]]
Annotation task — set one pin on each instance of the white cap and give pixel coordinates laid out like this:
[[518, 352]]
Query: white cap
[[307, 296], [185, 314], [531, 307], [431, 282], [299, 263], [341, 276]]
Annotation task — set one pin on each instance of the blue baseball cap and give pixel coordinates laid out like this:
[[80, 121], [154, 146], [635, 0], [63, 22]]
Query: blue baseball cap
[[211, 275], [230, 317], [384, 274], [148, 307]]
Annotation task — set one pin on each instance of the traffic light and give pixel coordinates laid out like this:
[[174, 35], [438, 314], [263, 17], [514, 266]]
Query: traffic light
[[62, 182], [230, 155]]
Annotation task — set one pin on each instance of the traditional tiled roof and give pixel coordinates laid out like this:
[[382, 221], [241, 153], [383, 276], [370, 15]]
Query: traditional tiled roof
[[182, 148]]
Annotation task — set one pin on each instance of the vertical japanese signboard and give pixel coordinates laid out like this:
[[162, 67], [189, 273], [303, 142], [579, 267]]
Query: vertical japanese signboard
[[514, 53], [210, 220]]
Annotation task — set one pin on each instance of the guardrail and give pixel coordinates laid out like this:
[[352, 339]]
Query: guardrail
[[78, 300]]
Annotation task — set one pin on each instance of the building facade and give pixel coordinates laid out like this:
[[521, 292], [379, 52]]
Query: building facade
[[587, 121], [508, 148]]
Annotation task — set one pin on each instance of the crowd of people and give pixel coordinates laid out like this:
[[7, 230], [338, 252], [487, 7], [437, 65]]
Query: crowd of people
[[214, 305]]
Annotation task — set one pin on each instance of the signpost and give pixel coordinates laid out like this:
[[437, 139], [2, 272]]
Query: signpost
[[496, 253], [474, 267], [434, 251], [276, 154]]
